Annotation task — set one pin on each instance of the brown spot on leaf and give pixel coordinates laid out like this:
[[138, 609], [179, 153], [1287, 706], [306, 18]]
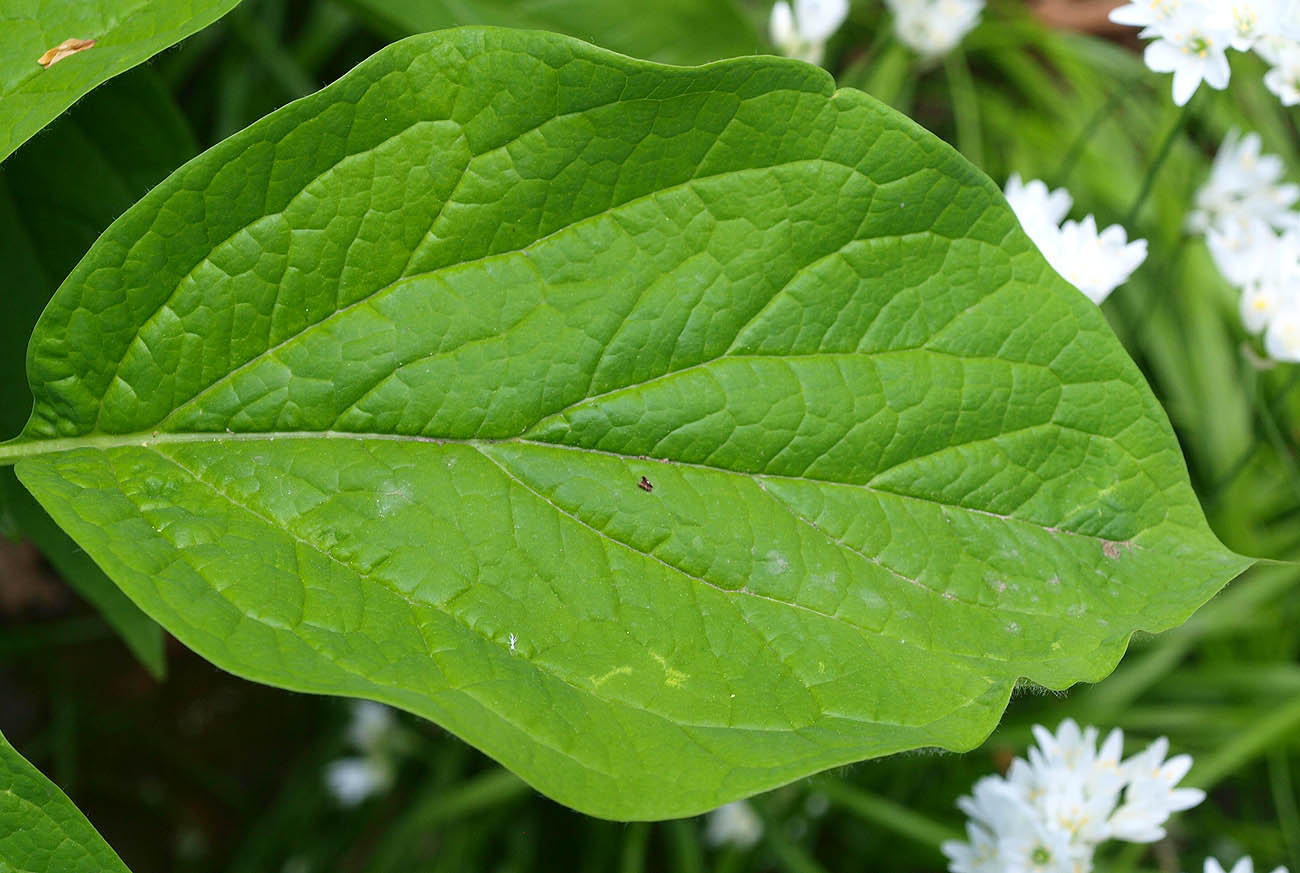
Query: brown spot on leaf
[[64, 49], [1110, 550]]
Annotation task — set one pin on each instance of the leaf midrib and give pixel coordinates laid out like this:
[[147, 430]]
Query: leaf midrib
[[20, 449]]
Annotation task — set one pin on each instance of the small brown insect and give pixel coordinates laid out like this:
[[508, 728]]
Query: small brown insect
[[645, 485]]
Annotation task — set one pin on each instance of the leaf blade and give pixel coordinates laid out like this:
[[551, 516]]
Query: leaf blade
[[125, 34], [43, 831], [56, 197], [739, 455]]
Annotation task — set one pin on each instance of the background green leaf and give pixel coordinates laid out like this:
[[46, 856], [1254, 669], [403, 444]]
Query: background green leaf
[[57, 195], [670, 31], [43, 832], [668, 434], [127, 32]]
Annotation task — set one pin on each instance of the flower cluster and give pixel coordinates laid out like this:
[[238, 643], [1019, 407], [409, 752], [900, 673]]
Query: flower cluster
[[802, 31], [373, 732], [934, 27], [1049, 813], [1094, 262], [1191, 38], [1243, 865], [929, 27], [1252, 229]]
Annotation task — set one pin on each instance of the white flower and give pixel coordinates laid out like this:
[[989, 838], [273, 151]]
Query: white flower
[[1253, 20], [1282, 339], [1049, 814], [1251, 230], [1253, 234], [1243, 865], [1144, 13], [370, 725], [1040, 210], [1191, 43], [979, 855], [352, 780], [1244, 188], [1284, 79], [1192, 36], [802, 32], [734, 824], [1007, 833], [933, 28], [1074, 785], [1150, 796], [1095, 263], [1012, 834], [1236, 245], [1260, 304], [996, 804], [1040, 847], [372, 730]]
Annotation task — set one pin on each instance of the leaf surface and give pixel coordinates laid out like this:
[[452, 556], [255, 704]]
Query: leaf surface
[[57, 195], [669, 31], [125, 33], [40, 830], [669, 434]]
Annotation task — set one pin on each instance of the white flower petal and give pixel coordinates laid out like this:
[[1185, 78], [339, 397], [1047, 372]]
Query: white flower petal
[[781, 25], [817, 20]]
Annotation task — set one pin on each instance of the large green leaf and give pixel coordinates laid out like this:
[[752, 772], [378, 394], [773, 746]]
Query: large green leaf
[[125, 33], [40, 830], [57, 194], [669, 434], [670, 31]]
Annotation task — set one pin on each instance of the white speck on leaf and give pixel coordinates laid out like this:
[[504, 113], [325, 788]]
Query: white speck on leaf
[[776, 563]]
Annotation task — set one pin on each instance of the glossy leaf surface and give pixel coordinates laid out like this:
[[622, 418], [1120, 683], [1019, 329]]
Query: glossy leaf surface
[[669, 434], [40, 830], [125, 33], [669, 31], [57, 194]]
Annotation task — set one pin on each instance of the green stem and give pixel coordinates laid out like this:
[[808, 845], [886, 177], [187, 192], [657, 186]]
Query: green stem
[[1238, 466], [887, 814], [1284, 799], [791, 858], [1162, 154], [880, 42], [1274, 433], [965, 107], [1272, 728], [635, 843], [1075, 151], [439, 805], [265, 47], [684, 844], [324, 33]]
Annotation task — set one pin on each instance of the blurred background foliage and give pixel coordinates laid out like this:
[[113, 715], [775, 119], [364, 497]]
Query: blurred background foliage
[[203, 772]]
